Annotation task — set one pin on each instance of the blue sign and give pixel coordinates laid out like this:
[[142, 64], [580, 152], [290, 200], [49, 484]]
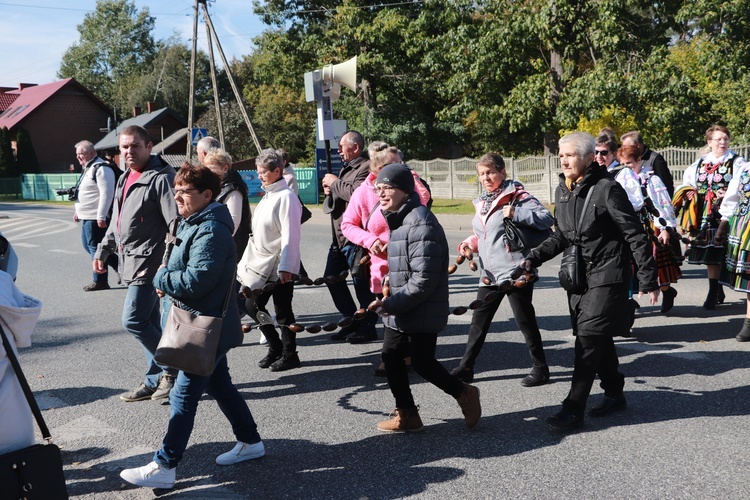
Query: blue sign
[[196, 134], [321, 163]]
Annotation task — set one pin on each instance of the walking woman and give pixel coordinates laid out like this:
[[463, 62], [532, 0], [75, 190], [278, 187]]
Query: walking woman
[[733, 231], [660, 225], [704, 183], [196, 277], [503, 198]]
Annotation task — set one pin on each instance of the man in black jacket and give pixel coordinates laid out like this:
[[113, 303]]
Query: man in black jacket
[[416, 309], [610, 233], [338, 191]]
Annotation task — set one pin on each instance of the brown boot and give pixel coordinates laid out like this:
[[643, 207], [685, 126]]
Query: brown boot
[[402, 421], [469, 403]]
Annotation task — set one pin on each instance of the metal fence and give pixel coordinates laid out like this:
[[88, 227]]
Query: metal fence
[[457, 179]]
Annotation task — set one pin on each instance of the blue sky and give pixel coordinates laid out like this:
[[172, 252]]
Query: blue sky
[[34, 34]]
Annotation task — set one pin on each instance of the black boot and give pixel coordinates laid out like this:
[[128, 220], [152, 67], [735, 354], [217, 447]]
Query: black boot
[[720, 296], [667, 302], [713, 294], [744, 334]]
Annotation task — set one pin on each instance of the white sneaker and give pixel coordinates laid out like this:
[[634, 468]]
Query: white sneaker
[[262, 340], [150, 476], [241, 452]]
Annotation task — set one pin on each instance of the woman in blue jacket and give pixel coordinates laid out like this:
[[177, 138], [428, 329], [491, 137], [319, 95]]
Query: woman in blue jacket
[[196, 276]]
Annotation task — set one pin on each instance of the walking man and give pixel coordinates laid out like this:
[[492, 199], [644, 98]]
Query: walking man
[[96, 190], [144, 206]]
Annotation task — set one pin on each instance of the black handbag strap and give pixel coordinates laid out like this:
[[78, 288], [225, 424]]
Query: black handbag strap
[[583, 212], [370, 216], [25, 386]]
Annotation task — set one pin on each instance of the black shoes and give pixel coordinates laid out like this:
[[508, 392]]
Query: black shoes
[[538, 376], [362, 337], [269, 359], [744, 335], [464, 374], [667, 301], [286, 362], [715, 294], [343, 333], [608, 405], [564, 421], [92, 287]]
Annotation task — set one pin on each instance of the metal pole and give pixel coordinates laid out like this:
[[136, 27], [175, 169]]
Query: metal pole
[[219, 123], [192, 82], [231, 80]]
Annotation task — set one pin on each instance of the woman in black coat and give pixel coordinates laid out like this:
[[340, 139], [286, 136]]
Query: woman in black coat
[[610, 233]]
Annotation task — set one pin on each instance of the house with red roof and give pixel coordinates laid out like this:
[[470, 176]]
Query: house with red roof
[[56, 116]]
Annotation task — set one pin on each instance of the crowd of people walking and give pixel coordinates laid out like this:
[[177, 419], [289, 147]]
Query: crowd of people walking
[[615, 222]]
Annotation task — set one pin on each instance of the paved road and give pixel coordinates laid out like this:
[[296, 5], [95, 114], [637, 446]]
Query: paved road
[[684, 434]]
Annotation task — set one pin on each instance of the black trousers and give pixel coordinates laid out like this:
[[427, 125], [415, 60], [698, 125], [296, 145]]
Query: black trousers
[[523, 311], [421, 346], [342, 297], [282, 295], [594, 355]]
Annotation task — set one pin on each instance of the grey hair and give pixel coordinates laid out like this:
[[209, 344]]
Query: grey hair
[[271, 159], [354, 137], [584, 143], [88, 146], [207, 144]]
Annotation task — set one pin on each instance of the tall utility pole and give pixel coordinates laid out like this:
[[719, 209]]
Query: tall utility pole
[[213, 38]]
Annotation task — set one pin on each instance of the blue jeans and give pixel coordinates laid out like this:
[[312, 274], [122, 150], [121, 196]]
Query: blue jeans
[[184, 398], [142, 318], [91, 236]]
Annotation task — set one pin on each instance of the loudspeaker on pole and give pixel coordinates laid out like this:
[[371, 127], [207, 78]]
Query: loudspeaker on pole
[[344, 73]]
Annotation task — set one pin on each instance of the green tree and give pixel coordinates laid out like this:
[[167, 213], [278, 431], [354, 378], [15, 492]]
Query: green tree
[[7, 158], [115, 47], [26, 156]]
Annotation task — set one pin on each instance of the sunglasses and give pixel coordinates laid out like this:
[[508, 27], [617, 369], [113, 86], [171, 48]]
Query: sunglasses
[[600, 152]]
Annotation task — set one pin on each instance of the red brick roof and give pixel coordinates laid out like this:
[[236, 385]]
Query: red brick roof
[[30, 98], [6, 99]]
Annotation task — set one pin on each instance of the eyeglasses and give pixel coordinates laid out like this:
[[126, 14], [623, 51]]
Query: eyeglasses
[[384, 189], [183, 192], [723, 139], [599, 152]]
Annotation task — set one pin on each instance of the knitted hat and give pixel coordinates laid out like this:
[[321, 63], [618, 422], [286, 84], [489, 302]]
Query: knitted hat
[[397, 175]]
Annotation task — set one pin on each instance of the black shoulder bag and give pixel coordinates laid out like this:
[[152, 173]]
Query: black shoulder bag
[[35, 472], [520, 238], [355, 254], [572, 266]]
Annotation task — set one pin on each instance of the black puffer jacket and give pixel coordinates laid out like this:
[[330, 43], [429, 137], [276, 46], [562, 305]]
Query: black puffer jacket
[[418, 270], [610, 232], [233, 182]]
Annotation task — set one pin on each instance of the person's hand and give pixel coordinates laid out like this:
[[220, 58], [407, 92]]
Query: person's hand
[[509, 211], [285, 277], [75, 218], [99, 266], [465, 249], [663, 237], [160, 293], [690, 195], [721, 233], [378, 307], [378, 247], [653, 296], [526, 265], [101, 223], [326, 190], [328, 179]]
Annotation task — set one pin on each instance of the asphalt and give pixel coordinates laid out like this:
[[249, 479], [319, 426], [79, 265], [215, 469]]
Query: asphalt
[[683, 434]]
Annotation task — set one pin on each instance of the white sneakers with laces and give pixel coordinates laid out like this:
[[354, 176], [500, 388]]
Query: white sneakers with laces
[[152, 475], [241, 452]]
